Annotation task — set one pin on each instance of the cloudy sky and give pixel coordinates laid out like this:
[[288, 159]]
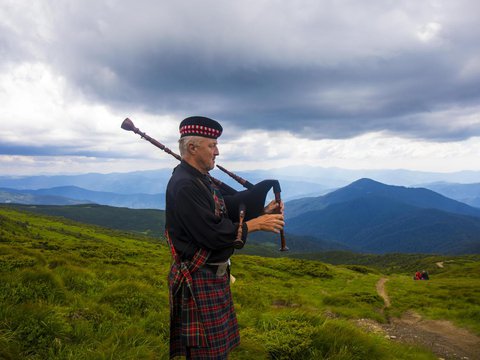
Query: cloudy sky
[[352, 84]]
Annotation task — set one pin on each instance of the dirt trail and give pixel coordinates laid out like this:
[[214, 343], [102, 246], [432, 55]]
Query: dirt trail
[[442, 337], [381, 291]]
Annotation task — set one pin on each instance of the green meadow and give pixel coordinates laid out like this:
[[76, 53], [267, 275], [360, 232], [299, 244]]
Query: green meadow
[[75, 291], [453, 294]]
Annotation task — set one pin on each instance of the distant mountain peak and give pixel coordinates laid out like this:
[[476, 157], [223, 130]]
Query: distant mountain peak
[[366, 182], [366, 185], [377, 217], [358, 188]]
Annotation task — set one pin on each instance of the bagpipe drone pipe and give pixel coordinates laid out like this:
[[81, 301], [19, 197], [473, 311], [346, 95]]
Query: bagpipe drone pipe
[[252, 199]]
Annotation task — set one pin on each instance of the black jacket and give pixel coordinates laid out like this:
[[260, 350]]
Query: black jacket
[[190, 216]]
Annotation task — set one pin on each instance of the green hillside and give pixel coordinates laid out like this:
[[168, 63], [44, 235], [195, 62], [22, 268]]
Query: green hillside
[[17, 196], [152, 222], [146, 221], [453, 295], [74, 291], [393, 263]]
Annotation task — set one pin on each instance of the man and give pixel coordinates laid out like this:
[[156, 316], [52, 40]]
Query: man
[[202, 238], [424, 275]]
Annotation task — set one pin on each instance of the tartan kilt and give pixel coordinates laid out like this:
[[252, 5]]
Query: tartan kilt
[[206, 322]]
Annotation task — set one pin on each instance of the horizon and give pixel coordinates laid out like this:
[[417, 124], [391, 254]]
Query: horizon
[[341, 177], [402, 93]]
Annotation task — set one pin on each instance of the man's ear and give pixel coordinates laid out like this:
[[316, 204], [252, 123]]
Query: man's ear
[[191, 148]]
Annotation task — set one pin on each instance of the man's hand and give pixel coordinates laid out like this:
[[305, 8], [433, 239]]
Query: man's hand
[[268, 222], [273, 208]]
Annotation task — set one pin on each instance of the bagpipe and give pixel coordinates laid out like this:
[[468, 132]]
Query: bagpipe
[[251, 200]]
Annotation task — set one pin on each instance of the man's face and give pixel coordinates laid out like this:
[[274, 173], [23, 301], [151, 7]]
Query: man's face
[[205, 153]]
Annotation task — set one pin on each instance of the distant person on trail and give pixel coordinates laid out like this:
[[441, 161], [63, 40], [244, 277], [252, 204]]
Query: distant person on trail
[[202, 238], [418, 276], [424, 275]]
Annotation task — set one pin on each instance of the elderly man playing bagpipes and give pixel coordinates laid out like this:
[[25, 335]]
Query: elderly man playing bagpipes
[[206, 220]]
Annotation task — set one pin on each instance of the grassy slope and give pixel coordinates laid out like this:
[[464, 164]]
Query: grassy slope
[[152, 222], [72, 291], [452, 293], [147, 221], [392, 263]]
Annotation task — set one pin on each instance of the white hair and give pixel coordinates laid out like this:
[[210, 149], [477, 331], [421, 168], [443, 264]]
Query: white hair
[[183, 143]]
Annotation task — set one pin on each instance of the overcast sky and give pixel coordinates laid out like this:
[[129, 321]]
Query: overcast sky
[[352, 84]]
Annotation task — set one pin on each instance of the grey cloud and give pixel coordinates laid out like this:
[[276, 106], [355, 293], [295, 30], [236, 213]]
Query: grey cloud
[[317, 69]]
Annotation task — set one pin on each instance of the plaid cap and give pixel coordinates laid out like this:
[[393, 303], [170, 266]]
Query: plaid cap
[[200, 126]]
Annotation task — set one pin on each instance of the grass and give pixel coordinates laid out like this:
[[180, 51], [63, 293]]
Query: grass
[[393, 263], [453, 294], [75, 291]]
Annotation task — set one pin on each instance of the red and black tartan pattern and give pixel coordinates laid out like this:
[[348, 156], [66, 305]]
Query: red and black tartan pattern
[[220, 208], [202, 316], [205, 322]]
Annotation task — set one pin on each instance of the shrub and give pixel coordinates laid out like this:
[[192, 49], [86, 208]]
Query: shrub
[[337, 300], [472, 315], [368, 298], [340, 340], [133, 298], [243, 297], [12, 262], [300, 267], [130, 343], [286, 335], [342, 299], [100, 318], [361, 269], [79, 280], [9, 348], [37, 329], [52, 264], [158, 324], [285, 339], [33, 285]]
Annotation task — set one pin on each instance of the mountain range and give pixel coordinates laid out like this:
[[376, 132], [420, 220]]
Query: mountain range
[[13, 196], [466, 193], [144, 182], [369, 216], [71, 195], [419, 197], [365, 215], [296, 181]]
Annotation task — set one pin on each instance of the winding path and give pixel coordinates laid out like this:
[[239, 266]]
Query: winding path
[[440, 336], [381, 291]]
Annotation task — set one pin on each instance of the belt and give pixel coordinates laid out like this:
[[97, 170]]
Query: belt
[[218, 269]]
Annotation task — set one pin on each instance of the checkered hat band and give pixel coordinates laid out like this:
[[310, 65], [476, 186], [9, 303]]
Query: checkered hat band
[[199, 130]]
